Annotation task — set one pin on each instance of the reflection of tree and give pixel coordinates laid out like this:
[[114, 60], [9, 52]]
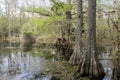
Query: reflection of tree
[[1, 61], [11, 63], [1, 56], [17, 61]]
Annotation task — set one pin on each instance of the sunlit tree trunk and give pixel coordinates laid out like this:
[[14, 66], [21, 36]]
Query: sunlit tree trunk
[[75, 58]]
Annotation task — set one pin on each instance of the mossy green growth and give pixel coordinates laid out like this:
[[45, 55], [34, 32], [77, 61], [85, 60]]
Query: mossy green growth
[[47, 29]]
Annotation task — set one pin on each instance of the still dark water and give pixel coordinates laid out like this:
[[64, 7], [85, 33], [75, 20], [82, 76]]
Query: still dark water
[[18, 63]]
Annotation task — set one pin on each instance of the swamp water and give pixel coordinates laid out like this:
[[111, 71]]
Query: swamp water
[[18, 64]]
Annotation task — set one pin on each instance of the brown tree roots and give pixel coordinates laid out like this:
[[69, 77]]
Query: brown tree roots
[[90, 67], [75, 58]]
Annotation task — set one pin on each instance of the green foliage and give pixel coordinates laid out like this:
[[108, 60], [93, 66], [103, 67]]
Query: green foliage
[[3, 21], [49, 26], [57, 6], [38, 10], [116, 52], [43, 28], [36, 26], [41, 53], [60, 7]]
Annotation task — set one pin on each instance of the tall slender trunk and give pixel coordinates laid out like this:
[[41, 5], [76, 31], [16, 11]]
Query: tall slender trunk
[[92, 27], [89, 65], [75, 58], [79, 25]]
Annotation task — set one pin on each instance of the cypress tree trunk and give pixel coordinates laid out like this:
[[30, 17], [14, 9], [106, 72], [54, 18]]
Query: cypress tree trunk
[[89, 65], [75, 58]]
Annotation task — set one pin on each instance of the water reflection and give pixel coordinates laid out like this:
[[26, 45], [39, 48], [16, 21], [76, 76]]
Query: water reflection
[[18, 63], [15, 64], [107, 65]]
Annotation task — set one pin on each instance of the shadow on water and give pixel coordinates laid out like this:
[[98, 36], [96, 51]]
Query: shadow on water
[[17, 63]]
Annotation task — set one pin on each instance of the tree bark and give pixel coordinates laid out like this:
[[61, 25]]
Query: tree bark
[[78, 43], [89, 65]]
